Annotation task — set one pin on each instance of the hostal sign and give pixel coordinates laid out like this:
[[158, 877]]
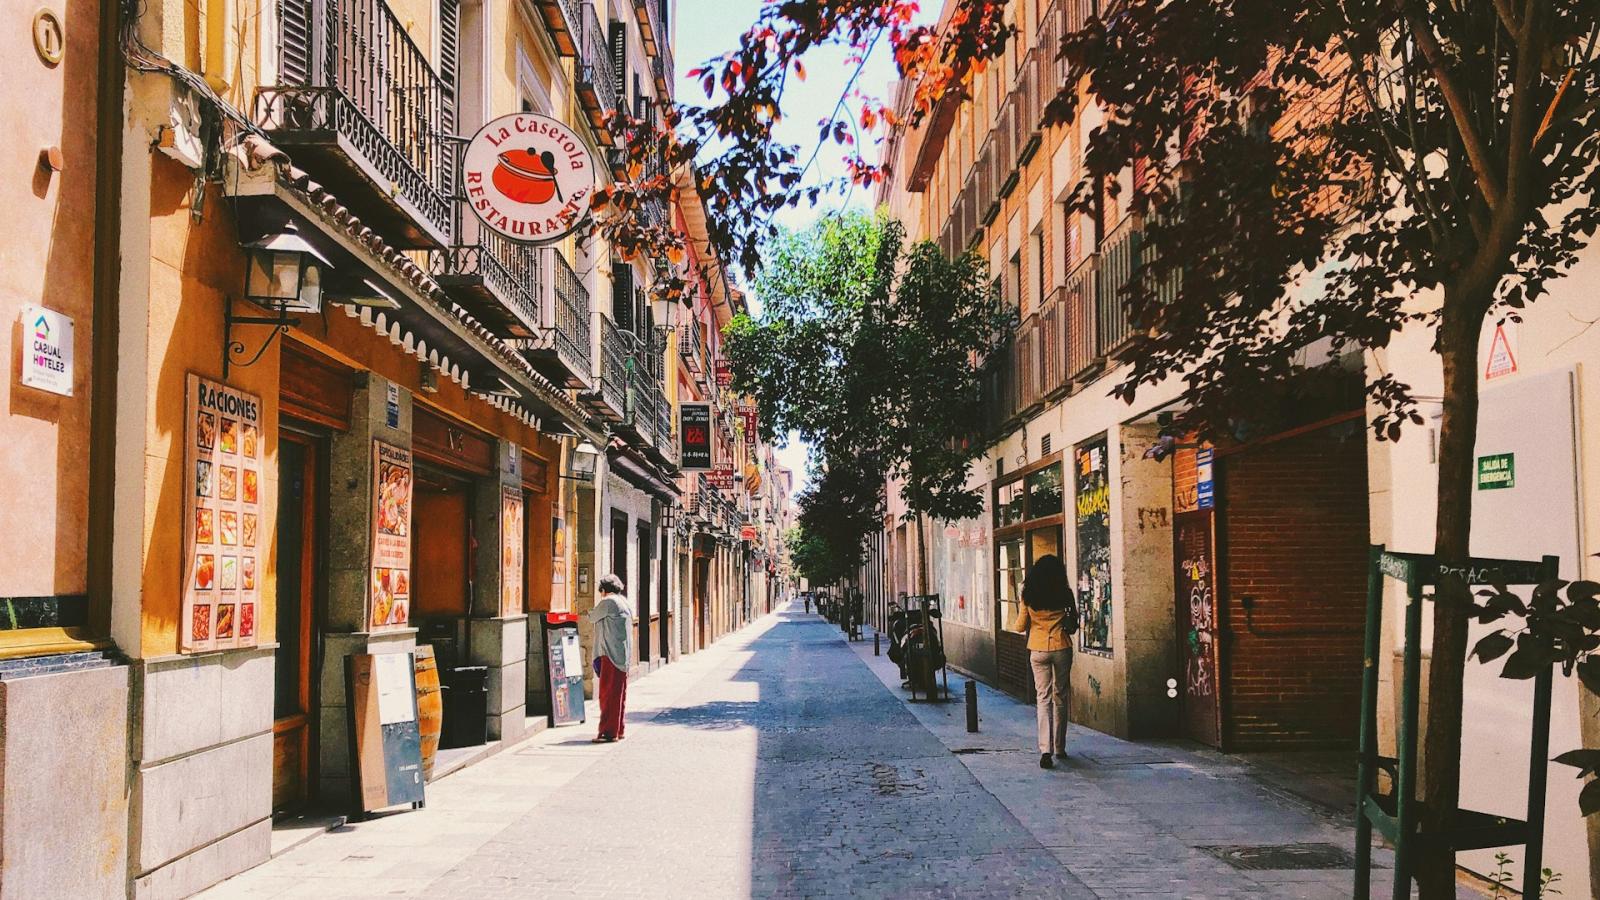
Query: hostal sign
[[528, 177]]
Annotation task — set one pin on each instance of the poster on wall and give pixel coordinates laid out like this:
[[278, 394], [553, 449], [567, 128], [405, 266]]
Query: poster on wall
[[389, 603], [511, 535], [222, 518], [1093, 526], [558, 551]]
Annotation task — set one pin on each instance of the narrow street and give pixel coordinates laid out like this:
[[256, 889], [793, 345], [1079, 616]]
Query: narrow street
[[785, 762]]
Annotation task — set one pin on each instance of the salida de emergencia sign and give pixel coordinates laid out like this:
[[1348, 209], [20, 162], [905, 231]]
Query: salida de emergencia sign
[[1497, 471], [46, 350], [528, 177]]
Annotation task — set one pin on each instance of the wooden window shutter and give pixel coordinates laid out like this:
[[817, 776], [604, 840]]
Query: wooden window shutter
[[622, 295], [449, 61], [294, 41]]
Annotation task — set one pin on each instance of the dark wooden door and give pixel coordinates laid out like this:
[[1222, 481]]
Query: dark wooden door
[[1195, 612], [641, 589], [293, 698], [663, 583], [441, 547]]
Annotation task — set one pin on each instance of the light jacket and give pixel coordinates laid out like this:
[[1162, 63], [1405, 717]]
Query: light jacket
[[1046, 628], [613, 629]]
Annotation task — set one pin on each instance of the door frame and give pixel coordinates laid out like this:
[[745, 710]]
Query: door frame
[[313, 518], [642, 587]]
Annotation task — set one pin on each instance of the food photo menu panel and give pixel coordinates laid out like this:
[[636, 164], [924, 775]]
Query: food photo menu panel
[[222, 517]]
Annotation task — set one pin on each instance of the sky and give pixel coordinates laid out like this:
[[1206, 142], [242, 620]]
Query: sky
[[708, 28]]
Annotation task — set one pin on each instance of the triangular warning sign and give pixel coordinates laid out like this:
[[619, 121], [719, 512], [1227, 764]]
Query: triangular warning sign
[[1501, 359]]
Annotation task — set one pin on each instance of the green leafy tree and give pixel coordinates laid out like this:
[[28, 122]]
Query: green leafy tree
[[871, 352]]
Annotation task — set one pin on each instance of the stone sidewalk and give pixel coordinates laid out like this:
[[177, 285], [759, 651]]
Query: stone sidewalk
[[785, 762]]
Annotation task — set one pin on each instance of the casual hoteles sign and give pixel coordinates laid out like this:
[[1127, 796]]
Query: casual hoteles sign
[[222, 518], [528, 177]]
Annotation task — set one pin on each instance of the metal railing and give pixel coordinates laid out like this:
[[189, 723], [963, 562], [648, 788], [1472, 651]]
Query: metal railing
[[1119, 260], [1079, 299], [596, 81], [569, 334], [375, 88], [691, 346], [611, 365], [513, 272]]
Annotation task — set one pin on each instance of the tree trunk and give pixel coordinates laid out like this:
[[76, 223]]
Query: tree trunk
[[1441, 757]]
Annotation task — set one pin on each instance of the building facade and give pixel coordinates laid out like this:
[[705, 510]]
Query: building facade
[[453, 435], [1221, 585]]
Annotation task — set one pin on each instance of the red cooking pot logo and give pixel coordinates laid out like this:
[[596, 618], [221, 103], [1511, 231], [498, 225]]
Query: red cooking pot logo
[[528, 177]]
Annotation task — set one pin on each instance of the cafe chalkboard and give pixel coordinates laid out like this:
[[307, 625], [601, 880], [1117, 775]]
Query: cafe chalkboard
[[385, 745]]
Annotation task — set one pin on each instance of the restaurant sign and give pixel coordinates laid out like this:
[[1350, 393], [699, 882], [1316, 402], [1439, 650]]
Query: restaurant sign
[[222, 518], [528, 178], [389, 597], [695, 426]]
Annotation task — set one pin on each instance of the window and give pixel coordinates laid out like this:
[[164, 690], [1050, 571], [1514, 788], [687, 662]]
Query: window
[[1011, 571], [1014, 280], [1044, 492], [1038, 269]]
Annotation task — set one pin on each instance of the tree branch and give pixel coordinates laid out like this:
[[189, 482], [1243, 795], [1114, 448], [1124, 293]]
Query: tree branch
[[1490, 184]]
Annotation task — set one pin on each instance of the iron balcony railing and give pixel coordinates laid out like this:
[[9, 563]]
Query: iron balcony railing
[[358, 88], [569, 334], [597, 87], [561, 18], [663, 67], [512, 274], [691, 346], [666, 439], [1079, 298], [1119, 261], [611, 367]]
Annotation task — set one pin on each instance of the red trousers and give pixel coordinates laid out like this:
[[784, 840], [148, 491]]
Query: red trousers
[[613, 698]]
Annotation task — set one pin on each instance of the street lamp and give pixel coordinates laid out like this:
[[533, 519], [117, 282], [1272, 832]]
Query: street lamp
[[283, 273], [584, 458]]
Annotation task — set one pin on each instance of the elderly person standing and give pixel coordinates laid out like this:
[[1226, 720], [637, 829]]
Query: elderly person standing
[[612, 618]]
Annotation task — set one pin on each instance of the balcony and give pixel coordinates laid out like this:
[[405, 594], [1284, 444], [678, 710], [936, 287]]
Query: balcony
[[1028, 106], [663, 68], [500, 282], [610, 374], [597, 85], [1079, 298], [691, 347], [561, 19], [564, 351], [362, 107], [1119, 260]]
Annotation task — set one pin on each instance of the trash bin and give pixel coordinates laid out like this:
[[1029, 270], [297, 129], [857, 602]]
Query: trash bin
[[466, 707]]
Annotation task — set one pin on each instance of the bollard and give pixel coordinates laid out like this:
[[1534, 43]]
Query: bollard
[[874, 643], [972, 706]]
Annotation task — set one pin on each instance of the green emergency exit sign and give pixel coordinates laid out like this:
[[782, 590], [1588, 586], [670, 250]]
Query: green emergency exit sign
[[1497, 471]]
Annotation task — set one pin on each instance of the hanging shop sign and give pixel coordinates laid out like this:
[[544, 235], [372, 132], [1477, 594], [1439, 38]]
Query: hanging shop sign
[[695, 426], [721, 478], [222, 518], [511, 535], [389, 600], [528, 178], [750, 417], [724, 373], [1497, 472], [1205, 484], [747, 532], [46, 350]]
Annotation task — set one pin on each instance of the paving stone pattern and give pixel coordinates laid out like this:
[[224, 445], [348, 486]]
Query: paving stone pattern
[[785, 762]]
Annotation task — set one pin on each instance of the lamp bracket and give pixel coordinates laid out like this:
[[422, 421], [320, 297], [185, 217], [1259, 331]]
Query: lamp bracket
[[233, 350]]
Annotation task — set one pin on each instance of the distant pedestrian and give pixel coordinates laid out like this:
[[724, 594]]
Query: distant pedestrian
[[807, 598], [612, 618], [1049, 616]]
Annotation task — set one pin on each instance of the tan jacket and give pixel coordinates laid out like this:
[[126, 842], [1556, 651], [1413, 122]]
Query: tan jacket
[[1046, 628]]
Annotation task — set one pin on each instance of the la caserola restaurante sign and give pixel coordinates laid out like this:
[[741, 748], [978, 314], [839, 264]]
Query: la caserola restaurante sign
[[528, 177]]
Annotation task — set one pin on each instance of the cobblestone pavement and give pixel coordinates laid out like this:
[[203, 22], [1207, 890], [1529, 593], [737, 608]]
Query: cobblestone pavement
[[784, 762]]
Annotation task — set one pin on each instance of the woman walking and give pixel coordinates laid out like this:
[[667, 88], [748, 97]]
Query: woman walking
[[1049, 617], [613, 634]]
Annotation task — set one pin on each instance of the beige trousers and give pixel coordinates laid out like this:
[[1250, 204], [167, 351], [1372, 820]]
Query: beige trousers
[[1051, 688]]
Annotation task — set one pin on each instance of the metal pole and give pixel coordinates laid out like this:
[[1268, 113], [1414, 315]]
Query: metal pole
[[875, 643], [1369, 732], [972, 706], [1538, 766], [1406, 807]]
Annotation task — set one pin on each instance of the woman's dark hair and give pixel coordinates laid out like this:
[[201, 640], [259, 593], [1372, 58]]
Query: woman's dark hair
[[1046, 587]]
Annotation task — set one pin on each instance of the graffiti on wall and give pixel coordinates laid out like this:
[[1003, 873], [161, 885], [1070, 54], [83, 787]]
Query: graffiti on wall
[[1093, 525]]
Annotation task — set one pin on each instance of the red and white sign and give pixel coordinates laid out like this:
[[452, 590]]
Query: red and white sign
[[528, 177], [1502, 359]]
